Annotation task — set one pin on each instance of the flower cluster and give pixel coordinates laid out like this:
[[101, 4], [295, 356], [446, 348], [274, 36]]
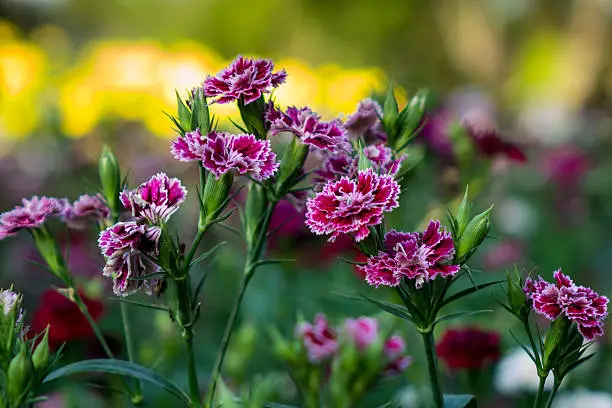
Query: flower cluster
[[129, 246], [416, 256], [563, 298], [308, 126], [323, 342], [223, 152], [32, 214], [351, 206], [244, 78], [468, 348], [85, 210]]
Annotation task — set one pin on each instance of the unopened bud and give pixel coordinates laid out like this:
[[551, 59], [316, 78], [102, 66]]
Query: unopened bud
[[214, 198], [291, 166], [410, 117], [110, 179], [254, 212], [40, 357], [462, 215], [517, 300], [473, 235], [200, 114], [19, 373]]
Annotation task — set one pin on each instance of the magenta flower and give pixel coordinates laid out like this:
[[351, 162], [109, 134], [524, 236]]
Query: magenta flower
[[155, 200], [189, 147], [244, 78], [365, 122], [32, 214], [308, 126], [579, 304], [128, 248], [363, 331], [351, 206], [244, 154], [394, 350], [85, 210], [319, 339], [416, 256]]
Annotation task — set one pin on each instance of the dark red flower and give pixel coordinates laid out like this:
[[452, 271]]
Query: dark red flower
[[64, 318], [565, 165], [489, 143], [468, 348]]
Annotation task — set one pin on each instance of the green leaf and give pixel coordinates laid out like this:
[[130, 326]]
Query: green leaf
[[120, 367], [452, 316], [263, 262], [392, 308], [459, 401], [207, 254], [200, 285], [135, 303], [469, 291], [154, 275], [184, 115]]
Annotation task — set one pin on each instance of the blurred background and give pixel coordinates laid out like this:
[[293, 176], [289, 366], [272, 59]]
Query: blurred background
[[77, 74]]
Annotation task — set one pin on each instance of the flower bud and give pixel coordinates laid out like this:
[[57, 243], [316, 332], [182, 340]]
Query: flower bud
[[462, 216], [473, 235], [557, 335], [253, 212], [40, 357], [19, 373], [200, 114], [410, 117], [110, 179], [517, 300], [214, 197], [252, 115], [51, 253], [291, 166], [390, 114]]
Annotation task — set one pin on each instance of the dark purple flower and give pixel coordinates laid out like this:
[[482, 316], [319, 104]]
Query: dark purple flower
[[189, 147], [155, 200], [489, 142], [85, 210], [468, 348], [351, 206], [319, 339], [565, 165], [308, 126], [579, 304], [128, 247], [365, 122], [416, 256], [244, 78], [32, 214]]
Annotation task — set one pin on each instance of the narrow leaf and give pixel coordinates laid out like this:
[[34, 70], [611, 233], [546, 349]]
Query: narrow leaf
[[452, 316], [154, 275], [392, 308], [207, 254], [135, 303], [262, 262], [469, 291], [120, 367]]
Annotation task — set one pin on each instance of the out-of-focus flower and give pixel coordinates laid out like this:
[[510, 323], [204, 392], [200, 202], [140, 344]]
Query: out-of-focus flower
[[394, 350], [319, 339], [85, 210], [128, 247], [489, 143], [350, 206], [66, 321], [32, 214], [468, 348], [309, 127], [244, 78], [155, 200], [503, 254], [516, 373], [363, 331], [565, 165], [563, 298], [583, 398], [8, 300], [365, 122], [417, 256], [435, 133]]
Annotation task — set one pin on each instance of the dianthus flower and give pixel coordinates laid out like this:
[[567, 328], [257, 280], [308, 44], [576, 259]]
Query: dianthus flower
[[85, 210], [363, 331], [128, 247], [8, 300], [245, 78], [489, 143], [155, 200], [365, 122], [581, 305], [351, 206], [416, 256], [468, 348], [308, 126], [32, 214], [319, 339], [394, 350]]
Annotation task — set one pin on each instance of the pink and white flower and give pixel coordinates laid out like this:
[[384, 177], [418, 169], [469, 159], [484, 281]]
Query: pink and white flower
[[32, 214], [563, 298], [309, 128], [85, 210], [363, 331], [351, 206], [319, 339], [365, 122], [245, 78], [155, 200]]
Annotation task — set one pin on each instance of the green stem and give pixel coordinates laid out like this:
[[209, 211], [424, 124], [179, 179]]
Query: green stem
[[194, 387], [83, 308], [194, 246], [136, 397], [553, 393], [432, 364], [540, 395], [249, 270]]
